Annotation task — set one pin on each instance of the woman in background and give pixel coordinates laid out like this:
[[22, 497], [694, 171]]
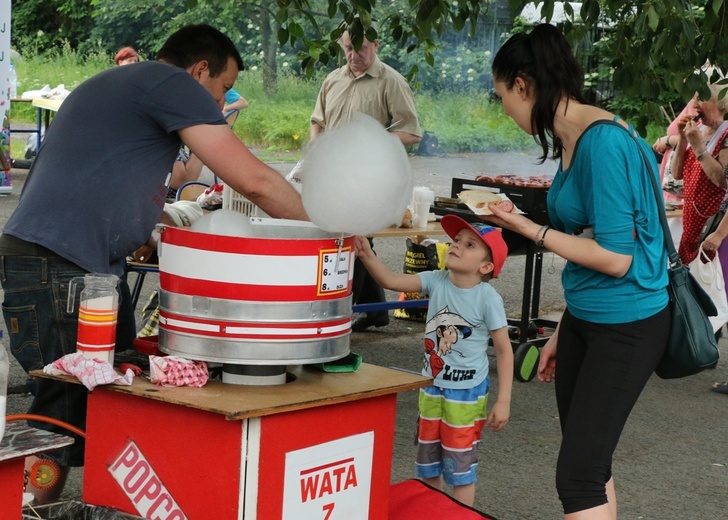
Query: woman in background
[[699, 158]]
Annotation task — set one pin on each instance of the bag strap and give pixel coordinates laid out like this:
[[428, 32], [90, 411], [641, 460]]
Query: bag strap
[[669, 245]]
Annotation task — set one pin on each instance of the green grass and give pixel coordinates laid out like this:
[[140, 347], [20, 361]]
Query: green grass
[[279, 122]]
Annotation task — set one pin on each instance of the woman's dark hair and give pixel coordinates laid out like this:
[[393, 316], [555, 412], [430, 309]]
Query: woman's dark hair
[[543, 59], [193, 43]]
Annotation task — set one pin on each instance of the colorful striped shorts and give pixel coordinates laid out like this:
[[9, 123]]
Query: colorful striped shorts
[[450, 425]]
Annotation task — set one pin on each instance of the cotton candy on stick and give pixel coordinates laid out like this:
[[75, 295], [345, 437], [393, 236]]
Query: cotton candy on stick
[[358, 179]]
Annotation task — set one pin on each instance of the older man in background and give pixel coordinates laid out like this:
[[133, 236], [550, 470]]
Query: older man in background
[[371, 87]]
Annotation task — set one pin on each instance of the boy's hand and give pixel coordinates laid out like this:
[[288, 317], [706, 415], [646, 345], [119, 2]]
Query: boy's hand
[[362, 247], [498, 416]]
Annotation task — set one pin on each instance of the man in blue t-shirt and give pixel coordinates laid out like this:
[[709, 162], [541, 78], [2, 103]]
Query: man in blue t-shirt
[[96, 191]]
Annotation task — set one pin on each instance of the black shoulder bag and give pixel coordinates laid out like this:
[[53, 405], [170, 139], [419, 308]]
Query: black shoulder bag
[[692, 346]]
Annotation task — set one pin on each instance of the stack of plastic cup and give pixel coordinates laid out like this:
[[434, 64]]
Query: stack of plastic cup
[[422, 200]]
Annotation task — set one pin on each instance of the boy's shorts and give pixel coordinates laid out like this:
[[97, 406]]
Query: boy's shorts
[[450, 425]]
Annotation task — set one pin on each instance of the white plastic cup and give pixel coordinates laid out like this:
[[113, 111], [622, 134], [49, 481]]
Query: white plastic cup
[[422, 213]]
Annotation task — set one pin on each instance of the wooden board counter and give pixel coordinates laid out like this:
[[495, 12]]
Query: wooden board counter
[[318, 447], [432, 229], [311, 388]]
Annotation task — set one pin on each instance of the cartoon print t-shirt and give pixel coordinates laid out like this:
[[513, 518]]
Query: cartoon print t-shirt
[[458, 328]]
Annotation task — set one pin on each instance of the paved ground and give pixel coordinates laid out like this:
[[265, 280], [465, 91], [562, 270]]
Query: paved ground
[[672, 461]]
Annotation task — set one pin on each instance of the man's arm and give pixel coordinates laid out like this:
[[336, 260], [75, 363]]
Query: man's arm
[[226, 155], [407, 139], [316, 129]]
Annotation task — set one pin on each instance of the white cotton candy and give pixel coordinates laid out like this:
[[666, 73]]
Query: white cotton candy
[[224, 222], [358, 179]]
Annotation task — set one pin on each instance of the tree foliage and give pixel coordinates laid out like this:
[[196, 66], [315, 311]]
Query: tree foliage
[[657, 47], [652, 49]]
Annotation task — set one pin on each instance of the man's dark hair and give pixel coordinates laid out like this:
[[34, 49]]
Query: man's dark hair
[[193, 43]]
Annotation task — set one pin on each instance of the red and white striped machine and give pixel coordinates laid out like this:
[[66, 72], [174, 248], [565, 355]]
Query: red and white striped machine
[[317, 446]]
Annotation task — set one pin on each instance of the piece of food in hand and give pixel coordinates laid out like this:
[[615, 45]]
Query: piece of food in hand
[[505, 205], [478, 198], [406, 219]]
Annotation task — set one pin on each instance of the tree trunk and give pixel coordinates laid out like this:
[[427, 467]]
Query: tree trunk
[[269, 40]]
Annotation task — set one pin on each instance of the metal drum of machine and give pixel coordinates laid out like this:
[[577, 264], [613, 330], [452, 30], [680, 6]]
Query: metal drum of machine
[[256, 304]]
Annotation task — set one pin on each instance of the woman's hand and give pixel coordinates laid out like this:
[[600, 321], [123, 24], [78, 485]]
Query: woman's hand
[[547, 361], [693, 135], [663, 143], [712, 242], [508, 220], [683, 122]]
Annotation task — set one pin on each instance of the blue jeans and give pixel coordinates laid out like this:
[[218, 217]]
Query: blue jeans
[[41, 331]]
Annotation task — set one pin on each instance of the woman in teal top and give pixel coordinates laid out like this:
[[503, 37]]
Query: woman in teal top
[[606, 225]]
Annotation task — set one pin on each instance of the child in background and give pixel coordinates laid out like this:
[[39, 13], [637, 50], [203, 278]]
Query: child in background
[[126, 56], [464, 313]]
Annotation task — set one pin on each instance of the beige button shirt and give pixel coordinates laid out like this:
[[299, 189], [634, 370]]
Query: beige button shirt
[[381, 92]]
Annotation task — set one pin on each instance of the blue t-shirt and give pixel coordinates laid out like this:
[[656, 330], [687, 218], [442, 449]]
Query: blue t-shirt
[[98, 185], [231, 96], [607, 188], [458, 328]]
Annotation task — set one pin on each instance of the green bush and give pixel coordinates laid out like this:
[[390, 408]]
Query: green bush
[[463, 122], [466, 123]]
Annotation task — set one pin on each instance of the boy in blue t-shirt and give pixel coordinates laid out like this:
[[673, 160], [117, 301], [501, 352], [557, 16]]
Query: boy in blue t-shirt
[[464, 313]]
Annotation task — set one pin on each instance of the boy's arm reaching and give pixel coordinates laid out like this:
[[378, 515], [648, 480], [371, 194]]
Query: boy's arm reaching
[[501, 410], [383, 274]]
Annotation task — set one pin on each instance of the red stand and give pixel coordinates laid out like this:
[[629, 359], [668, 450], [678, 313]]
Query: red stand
[[19, 442], [318, 447]]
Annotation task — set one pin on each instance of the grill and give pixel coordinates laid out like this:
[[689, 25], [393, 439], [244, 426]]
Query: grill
[[532, 201]]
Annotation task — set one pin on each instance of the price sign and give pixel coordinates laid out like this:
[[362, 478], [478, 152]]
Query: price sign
[[333, 276]]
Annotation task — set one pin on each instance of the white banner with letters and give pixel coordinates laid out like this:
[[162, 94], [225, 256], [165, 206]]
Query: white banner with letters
[[330, 481]]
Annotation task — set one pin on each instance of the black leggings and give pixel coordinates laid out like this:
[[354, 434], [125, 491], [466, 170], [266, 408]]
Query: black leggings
[[600, 372]]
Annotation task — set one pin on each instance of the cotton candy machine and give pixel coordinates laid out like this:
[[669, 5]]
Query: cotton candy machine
[[256, 304]]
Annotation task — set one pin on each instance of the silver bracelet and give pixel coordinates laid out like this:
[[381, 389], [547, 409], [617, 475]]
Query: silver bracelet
[[543, 237], [700, 155], [540, 230]]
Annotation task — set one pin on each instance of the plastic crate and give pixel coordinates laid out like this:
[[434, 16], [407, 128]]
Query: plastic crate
[[234, 201]]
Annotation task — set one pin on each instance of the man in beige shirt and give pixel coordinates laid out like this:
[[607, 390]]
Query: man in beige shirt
[[371, 87]]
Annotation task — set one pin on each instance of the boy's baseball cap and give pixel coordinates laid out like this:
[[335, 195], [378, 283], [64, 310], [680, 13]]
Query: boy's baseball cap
[[492, 237]]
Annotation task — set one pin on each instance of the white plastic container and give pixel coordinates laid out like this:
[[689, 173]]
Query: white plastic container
[[97, 315], [4, 374]]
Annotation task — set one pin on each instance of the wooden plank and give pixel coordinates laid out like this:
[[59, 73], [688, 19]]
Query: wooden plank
[[48, 104], [433, 228], [311, 388]]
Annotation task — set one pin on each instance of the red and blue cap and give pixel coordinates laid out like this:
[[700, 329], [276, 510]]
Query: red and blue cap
[[492, 237]]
